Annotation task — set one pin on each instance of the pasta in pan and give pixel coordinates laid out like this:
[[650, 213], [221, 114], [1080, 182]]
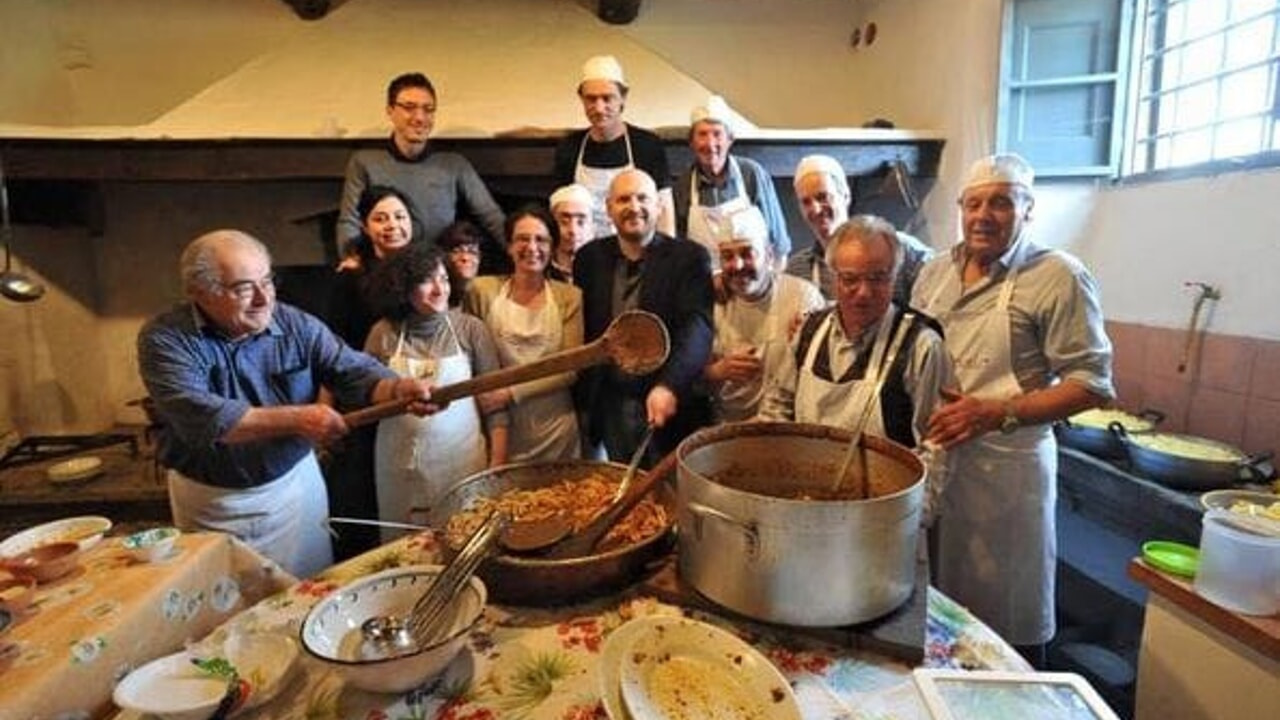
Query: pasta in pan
[[580, 500]]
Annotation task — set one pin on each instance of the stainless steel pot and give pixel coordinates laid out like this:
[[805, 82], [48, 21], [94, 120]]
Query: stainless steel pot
[[531, 580], [1187, 473], [1102, 441], [747, 544]]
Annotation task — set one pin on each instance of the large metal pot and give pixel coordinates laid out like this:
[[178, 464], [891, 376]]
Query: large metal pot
[[1091, 432], [531, 580], [1180, 470], [747, 544]]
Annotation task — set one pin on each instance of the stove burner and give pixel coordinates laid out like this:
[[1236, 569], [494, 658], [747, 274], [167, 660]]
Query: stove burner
[[47, 447]]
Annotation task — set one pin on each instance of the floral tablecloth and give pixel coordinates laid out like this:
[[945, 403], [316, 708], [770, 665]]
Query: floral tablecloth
[[543, 663], [64, 654]]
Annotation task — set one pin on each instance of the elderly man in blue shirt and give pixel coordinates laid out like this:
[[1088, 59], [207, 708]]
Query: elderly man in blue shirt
[[235, 376]]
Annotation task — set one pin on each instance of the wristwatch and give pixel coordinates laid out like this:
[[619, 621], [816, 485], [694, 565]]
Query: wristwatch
[[1010, 421]]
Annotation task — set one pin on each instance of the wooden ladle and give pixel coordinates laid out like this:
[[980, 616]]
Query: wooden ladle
[[636, 341]]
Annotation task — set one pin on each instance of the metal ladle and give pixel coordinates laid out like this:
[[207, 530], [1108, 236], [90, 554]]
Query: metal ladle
[[636, 341], [855, 458], [15, 286]]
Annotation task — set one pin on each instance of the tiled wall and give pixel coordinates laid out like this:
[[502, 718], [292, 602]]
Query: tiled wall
[[1229, 390]]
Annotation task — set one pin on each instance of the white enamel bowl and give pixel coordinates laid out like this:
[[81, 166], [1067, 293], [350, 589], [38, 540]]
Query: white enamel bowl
[[151, 545], [331, 631]]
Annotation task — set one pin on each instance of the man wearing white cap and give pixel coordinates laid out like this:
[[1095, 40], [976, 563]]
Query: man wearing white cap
[[824, 196], [718, 184], [753, 326], [571, 207], [592, 157], [1024, 329]]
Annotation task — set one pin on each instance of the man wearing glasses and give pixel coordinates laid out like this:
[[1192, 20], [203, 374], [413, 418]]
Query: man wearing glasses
[[864, 354], [434, 181], [235, 376]]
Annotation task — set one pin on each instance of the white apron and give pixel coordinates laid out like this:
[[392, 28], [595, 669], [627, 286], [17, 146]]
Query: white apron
[[596, 181], [996, 536], [282, 519], [707, 222], [543, 426], [842, 404], [417, 458], [738, 400]]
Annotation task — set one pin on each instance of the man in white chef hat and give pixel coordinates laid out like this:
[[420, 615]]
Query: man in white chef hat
[[1024, 329], [823, 193], [594, 156], [717, 184], [752, 327], [571, 207]]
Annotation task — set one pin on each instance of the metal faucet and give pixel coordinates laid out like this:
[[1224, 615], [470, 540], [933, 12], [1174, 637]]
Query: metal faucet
[[1206, 292]]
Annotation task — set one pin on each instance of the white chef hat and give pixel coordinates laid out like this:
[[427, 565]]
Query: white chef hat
[[716, 110], [570, 193], [1004, 168], [823, 164], [745, 225], [603, 67]]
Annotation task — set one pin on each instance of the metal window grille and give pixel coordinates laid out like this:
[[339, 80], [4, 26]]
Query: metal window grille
[[1207, 86]]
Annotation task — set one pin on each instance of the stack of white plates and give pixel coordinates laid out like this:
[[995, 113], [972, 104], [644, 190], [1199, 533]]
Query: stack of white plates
[[670, 668]]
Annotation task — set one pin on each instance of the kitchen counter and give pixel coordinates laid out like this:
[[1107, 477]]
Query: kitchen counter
[[1200, 660], [129, 491]]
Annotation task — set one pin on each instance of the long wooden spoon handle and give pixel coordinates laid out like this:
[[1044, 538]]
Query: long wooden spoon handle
[[574, 359]]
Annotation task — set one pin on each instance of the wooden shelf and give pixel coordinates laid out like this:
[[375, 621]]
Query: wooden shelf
[[1259, 633]]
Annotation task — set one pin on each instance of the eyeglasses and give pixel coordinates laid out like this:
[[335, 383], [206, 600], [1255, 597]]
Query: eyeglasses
[[852, 280], [414, 108], [464, 250], [245, 290]]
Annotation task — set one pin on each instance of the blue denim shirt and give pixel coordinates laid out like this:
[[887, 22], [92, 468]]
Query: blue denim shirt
[[203, 384]]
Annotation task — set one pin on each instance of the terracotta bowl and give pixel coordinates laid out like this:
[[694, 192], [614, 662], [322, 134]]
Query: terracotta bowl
[[45, 562], [16, 593]]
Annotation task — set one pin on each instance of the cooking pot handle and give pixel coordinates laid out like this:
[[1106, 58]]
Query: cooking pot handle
[[1251, 464], [1155, 416], [749, 529], [1117, 428]]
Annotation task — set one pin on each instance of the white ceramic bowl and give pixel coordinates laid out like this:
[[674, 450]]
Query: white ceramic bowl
[[86, 530], [151, 545], [331, 631], [173, 688]]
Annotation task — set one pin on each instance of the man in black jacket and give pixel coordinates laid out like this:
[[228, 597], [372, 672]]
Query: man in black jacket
[[642, 269]]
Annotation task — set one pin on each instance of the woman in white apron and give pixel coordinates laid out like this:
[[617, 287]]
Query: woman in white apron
[[996, 544], [417, 459], [531, 317]]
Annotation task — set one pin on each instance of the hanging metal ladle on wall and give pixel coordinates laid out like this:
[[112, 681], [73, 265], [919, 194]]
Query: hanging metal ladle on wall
[[15, 286]]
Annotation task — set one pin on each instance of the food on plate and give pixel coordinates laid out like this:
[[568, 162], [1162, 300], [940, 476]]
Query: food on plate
[[580, 501], [1102, 418], [1188, 447]]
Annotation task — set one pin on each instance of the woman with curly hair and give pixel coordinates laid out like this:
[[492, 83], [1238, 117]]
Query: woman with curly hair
[[419, 336]]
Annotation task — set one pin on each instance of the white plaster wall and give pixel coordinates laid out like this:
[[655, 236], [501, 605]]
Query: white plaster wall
[[250, 67]]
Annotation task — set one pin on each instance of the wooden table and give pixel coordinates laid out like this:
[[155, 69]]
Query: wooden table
[[1199, 660]]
